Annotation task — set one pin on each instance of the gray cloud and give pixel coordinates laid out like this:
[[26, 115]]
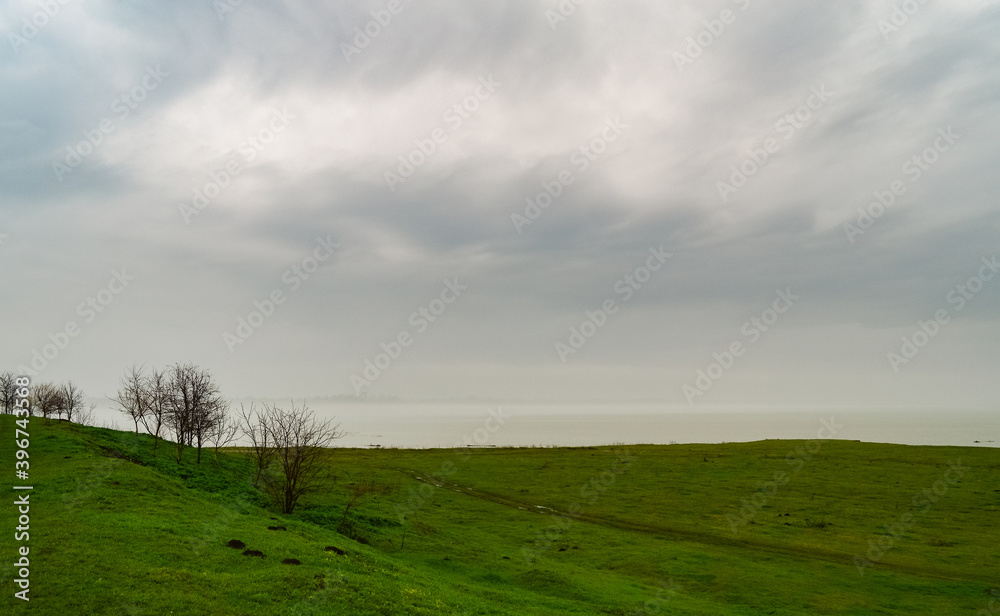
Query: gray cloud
[[352, 116]]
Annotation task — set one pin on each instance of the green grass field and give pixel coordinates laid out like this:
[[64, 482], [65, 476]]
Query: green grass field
[[772, 527]]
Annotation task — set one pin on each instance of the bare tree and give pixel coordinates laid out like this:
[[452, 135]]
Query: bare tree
[[301, 443], [194, 402], [180, 406], [131, 399], [85, 416], [8, 391], [360, 489], [46, 399], [223, 431], [206, 423], [254, 425], [71, 399], [156, 394]]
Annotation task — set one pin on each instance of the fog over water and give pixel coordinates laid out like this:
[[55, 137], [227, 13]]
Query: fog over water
[[727, 203], [521, 425]]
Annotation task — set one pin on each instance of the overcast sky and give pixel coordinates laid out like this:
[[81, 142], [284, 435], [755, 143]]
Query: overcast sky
[[692, 167]]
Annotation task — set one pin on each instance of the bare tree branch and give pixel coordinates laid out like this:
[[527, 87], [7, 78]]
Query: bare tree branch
[[254, 424], [8, 389], [156, 394], [85, 416], [223, 431], [71, 400], [301, 443], [360, 489], [46, 399], [131, 399], [194, 405]]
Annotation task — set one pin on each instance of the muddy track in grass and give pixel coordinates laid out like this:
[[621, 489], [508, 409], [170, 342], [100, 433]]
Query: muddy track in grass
[[685, 535]]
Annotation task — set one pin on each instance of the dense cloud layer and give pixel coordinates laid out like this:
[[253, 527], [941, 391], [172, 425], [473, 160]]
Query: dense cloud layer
[[543, 160]]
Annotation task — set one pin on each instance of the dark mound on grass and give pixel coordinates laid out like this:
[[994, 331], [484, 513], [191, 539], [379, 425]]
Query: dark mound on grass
[[236, 544], [339, 552], [114, 453], [291, 561], [253, 553], [276, 528]]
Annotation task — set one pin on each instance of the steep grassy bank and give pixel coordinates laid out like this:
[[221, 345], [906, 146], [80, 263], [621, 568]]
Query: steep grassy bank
[[774, 527]]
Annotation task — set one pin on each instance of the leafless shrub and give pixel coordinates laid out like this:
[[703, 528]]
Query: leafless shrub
[[301, 444]]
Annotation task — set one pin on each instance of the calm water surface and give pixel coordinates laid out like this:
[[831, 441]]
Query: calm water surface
[[449, 425]]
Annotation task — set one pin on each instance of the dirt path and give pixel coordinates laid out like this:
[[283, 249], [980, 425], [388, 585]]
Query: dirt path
[[685, 535]]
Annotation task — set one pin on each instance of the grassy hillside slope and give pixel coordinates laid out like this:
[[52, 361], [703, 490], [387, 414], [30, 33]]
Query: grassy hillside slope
[[682, 529]]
